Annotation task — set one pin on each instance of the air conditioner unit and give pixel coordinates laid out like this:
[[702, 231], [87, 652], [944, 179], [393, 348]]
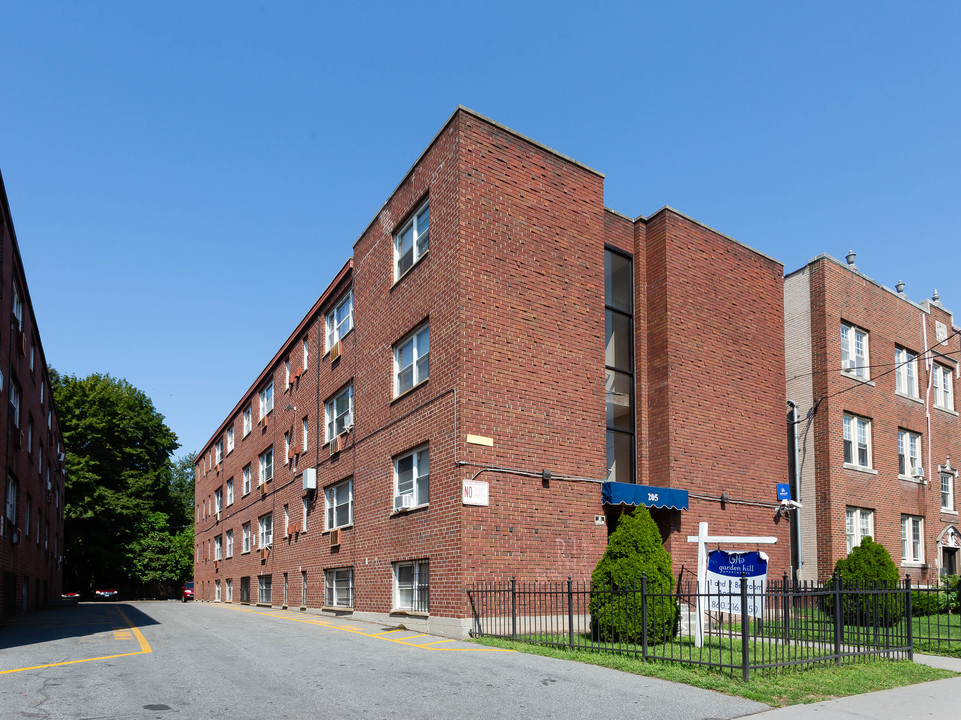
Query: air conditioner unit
[[49, 486], [403, 502], [348, 422], [15, 537], [23, 344], [310, 479], [264, 551], [335, 445], [335, 351], [849, 365], [216, 564], [918, 472], [62, 456], [263, 488], [218, 517], [335, 537]]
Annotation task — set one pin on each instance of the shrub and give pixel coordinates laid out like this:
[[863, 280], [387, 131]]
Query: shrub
[[924, 602], [949, 600], [634, 550], [868, 567]]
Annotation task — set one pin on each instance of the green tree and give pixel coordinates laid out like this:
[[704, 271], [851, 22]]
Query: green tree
[[119, 476], [634, 550], [867, 568]]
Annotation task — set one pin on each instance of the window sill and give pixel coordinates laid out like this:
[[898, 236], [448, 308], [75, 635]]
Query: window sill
[[409, 613], [410, 390], [914, 564], [912, 479], [912, 398], [946, 511], [861, 380], [409, 270], [859, 468], [396, 513], [946, 410], [339, 527]]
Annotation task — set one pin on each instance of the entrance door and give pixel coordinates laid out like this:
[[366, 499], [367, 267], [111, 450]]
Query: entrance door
[[949, 561]]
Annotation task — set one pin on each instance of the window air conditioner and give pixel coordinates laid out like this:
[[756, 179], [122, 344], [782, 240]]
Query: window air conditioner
[[918, 472], [310, 479], [849, 365], [348, 422], [335, 537], [218, 517], [335, 351], [403, 502]]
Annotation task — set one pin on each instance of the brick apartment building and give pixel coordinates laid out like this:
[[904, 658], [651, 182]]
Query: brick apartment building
[[501, 365], [31, 527], [873, 376]]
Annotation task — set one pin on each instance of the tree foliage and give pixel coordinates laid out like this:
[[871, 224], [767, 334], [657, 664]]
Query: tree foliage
[[868, 567], [126, 502], [634, 550]]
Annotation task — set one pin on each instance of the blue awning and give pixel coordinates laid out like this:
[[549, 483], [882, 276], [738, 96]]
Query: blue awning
[[614, 493]]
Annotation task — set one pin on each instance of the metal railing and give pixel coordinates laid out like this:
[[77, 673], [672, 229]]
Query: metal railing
[[745, 627]]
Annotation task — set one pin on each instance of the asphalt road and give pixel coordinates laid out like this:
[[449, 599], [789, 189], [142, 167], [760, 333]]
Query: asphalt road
[[165, 659]]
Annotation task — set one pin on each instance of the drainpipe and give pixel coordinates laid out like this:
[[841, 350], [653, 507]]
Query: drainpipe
[[795, 473]]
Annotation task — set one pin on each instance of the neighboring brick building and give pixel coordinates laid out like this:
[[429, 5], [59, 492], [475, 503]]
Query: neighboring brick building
[[31, 453], [873, 376], [463, 350]]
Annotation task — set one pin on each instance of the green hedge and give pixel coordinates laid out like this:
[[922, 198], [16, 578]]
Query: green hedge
[[868, 567]]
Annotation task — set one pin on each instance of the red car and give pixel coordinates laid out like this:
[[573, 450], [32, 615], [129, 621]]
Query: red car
[[105, 594], [187, 592]]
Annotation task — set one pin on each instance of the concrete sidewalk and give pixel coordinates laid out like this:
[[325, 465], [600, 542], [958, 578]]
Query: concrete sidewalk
[[941, 698]]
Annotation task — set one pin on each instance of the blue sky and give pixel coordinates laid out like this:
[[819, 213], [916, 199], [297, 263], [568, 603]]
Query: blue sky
[[186, 178]]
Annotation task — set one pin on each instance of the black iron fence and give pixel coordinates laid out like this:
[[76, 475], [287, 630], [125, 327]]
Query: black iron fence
[[740, 628]]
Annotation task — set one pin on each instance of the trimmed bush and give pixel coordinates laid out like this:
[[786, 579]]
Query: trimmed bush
[[634, 550], [868, 567]]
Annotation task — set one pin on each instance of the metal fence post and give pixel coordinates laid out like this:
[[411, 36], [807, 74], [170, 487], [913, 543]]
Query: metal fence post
[[745, 665], [838, 627], [513, 608], [570, 613], [786, 609], [643, 616], [909, 612]]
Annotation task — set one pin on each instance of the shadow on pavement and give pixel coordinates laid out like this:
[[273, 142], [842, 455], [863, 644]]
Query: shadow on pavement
[[67, 622]]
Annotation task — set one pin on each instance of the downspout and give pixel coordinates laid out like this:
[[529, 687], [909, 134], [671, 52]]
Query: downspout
[[929, 364], [795, 479]]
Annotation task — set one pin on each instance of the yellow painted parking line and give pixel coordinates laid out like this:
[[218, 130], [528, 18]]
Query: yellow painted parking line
[[377, 636], [144, 650]]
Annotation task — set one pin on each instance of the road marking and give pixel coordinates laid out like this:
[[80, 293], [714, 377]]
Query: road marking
[[377, 636], [144, 650]]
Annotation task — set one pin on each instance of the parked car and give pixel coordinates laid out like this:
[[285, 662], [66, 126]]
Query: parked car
[[105, 595], [187, 592], [70, 596]]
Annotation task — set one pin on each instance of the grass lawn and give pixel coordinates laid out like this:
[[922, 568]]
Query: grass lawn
[[774, 688]]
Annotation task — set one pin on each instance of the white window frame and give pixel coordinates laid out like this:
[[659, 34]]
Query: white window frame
[[10, 511], [858, 524], [218, 500], [229, 544], [15, 402], [340, 320], [266, 400], [248, 420], [419, 239], [306, 346], [338, 420], [246, 479], [857, 431], [906, 372], [418, 587], [218, 547], [855, 352], [286, 519], [417, 344], [287, 372], [17, 307], [334, 593], [265, 471], [418, 484], [303, 437], [246, 534], [909, 455], [230, 439], [265, 530], [216, 590], [265, 591], [286, 447], [219, 452], [229, 590], [912, 540], [948, 479], [230, 492], [337, 496], [303, 524], [943, 387]]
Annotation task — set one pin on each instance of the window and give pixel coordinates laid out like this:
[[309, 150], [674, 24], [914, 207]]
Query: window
[[412, 242], [266, 466], [246, 475], [619, 365], [412, 360], [31, 357], [218, 548], [303, 524], [340, 320], [854, 351], [286, 520], [906, 372], [229, 543], [306, 347], [218, 500], [265, 536], [30, 435], [411, 586], [246, 537], [245, 589], [912, 547], [859, 525], [286, 373], [303, 588], [228, 590], [286, 447], [857, 441], [412, 479], [11, 507], [339, 587], [943, 387], [264, 589], [340, 504], [909, 454], [339, 412], [247, 421], [266, 400], [15, 403], [216, 590], [947, 491], [230, 440], [28, 512], [303, 437], [219, 452], [17, 308], [230, 492]]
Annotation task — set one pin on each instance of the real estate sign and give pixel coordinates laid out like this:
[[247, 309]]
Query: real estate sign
[[725, 572]]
